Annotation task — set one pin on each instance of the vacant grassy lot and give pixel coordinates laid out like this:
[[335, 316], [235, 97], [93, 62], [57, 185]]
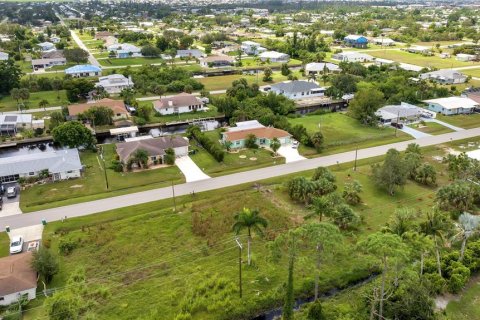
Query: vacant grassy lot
[[8, 104], [197, 249], [466, 121], [418, 59], [4, 244], [472, 72], [93, 186], [343, 133], [431, 128], [129, 61], [467, 307], [224, 82]]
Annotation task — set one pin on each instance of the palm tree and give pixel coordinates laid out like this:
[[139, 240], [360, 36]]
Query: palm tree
[[438, 226], [250, 220], [43, 104], [467, 226]]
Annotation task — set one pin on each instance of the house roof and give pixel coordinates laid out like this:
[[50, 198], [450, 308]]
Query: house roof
[[353, 37], [55, 161], [46, 61], [180, 100], [273, 55], [454, 102], [265, 132], [153, 146], [16, 274], [403, 110], [46, 44], [443, 74], [295, 86], [83, 68], [218, 58], [123, 47], [319, 66], [57, 54], [117, 106]]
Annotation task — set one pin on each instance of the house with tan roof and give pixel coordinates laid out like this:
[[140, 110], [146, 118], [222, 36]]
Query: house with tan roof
[[155, 148], [236, 136], [117, 106], [101, 35], [180, 103], [17, 278], [217, 61]]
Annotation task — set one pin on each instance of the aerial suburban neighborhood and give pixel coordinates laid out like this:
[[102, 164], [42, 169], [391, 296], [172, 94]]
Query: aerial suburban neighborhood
[[256, 160]]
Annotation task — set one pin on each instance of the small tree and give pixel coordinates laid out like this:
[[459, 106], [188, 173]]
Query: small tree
[[275, 145], [45, 263], [392, 174], [351, 192], [285, 70], [317, 141], [169, 156], [267, 75], [251, 142], [43, 104], [250, 220]]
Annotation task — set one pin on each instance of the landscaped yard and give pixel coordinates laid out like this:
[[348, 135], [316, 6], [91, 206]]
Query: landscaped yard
[[431, 128], [211, 112], [4, 244], [418, 59], [8, 104], [93, 185], [343, 133], [129, 61], [466, 121], [472, 72]]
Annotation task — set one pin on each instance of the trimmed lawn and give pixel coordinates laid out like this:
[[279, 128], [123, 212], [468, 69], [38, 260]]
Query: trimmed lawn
[[224, 82], [431, 128], [101, 54], [8, 104], [92, 44], [129, 61], [467, 307], [466, 121], [4, 244], [472, 72], [92, 185], [343, 133], [418, 59]]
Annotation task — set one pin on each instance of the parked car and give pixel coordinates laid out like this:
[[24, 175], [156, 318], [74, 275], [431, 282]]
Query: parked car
[[295, 144], [16, 246], [11, 192], [397, 125]]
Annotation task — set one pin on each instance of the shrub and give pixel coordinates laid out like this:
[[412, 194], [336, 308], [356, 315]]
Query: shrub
[[212, 147], [67, 245]]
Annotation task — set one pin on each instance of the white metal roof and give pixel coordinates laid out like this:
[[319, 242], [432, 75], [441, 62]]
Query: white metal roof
[[454, 102], [124, 130]]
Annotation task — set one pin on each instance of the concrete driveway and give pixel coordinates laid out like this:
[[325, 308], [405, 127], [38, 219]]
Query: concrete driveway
[[30, 233], [190, 169], [290, 153], [414, 133], [11, 206], [448, 125]]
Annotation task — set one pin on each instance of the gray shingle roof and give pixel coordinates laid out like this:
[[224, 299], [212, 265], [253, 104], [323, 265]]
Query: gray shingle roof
[[154, 146], [55, 161], [295, 86]]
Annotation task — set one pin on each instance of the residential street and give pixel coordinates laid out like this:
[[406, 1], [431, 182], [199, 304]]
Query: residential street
[[96, 206]]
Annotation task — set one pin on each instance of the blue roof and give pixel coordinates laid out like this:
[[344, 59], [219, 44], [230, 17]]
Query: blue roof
[[83, 68], [355, 38]]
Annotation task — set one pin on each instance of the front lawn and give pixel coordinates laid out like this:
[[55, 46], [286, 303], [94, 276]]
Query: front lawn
[[431, 128], [129, 61], [93, 185], [4, 244], [9, 104], [466, 121], [343, 133]]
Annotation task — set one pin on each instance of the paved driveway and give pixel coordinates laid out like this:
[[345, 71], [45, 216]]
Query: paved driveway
[[290, 154], [448, 125], [190, 169], [414, 133], [11, 206], [30, 233]]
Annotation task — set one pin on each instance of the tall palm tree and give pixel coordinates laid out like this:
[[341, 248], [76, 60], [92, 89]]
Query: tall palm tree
[[466, 227], [250, 220], [438, 226]]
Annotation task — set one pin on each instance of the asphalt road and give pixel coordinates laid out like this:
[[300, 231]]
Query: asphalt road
[[86, 208]]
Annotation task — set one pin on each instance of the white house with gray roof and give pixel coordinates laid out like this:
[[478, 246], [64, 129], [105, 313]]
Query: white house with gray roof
[[321, 67], [61, 165], [298, 89], [445, 76], [3, 56]]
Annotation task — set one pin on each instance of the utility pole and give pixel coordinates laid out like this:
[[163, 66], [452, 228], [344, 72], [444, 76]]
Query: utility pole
[[355, 165], [174, 202], [398, 119], [104, 168], [239, 265]]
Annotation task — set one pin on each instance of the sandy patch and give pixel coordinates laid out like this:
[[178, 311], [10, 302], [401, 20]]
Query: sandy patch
[[76, 186], [253, 158], [242, 156]]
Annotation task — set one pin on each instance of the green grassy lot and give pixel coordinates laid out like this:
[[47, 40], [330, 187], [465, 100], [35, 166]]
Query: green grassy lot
[[343, 133], [418, 59], [4, 244], [463, 121], [250, 62], [92, 185], [467, 307], [431, 128], [129, 61], [8, 104], [92, 44], [101, 54], [60, 74], [232, 162], [472, 72], [121, 248], [25, 66]]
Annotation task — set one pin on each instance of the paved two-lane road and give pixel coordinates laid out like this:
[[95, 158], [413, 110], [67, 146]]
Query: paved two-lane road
[[86, 208]]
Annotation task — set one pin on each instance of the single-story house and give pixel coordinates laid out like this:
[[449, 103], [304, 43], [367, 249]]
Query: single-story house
[[114, 83], [102, 35], [355, 41], [10, 124], [48, 63], [3, 56], [465, 57], [385, 42], [445, 76], [351, 56], [264, 135], [46, 46], [252, 48], [419, 49], [452, 105], [56, 54], [125, 50], [84, 70], [61, 165], [155, 147], [404, 112], [111, 40], [55, 39], [274, 56], [17, 278], [401, 65], [321, 67], [216, 61], [472, 93], [117, 106], [190, 53], [298, 89], [180, 103]]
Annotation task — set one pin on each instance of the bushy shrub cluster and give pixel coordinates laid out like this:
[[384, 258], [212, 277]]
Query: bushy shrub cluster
[[214, 148]]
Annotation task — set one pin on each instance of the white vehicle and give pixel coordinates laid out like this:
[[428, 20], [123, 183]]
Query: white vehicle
[[11, 192], [16, 246], [295, 144]]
